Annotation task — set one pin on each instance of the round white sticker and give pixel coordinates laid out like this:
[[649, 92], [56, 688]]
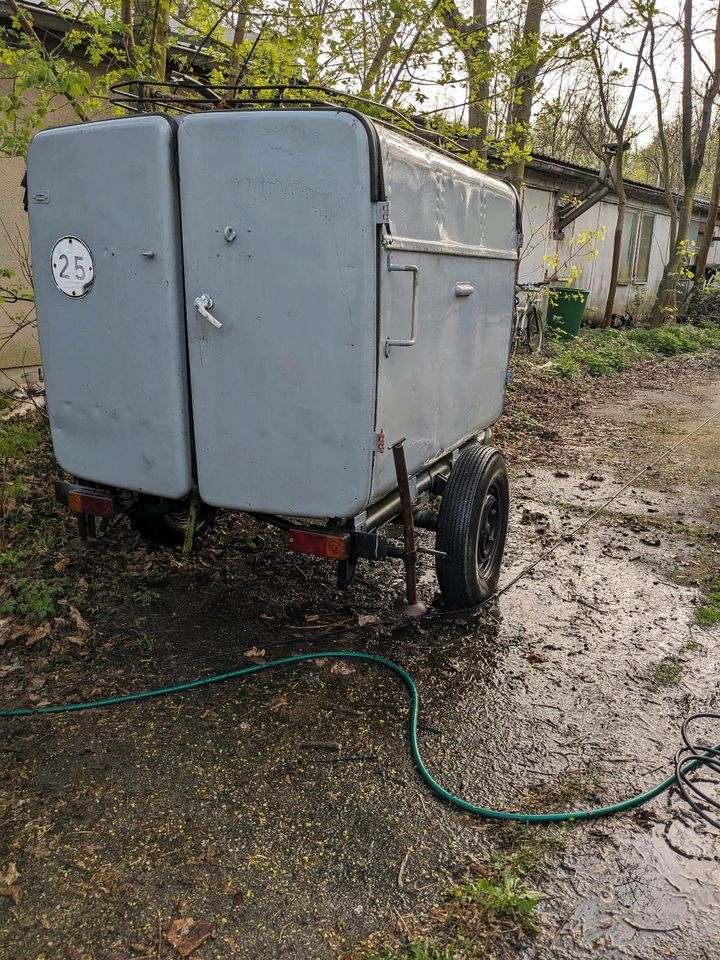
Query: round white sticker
[[72, 267]]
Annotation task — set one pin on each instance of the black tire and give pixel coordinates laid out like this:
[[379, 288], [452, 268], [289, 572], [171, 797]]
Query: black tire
[[472, 527], [534, 331], [168, 529]]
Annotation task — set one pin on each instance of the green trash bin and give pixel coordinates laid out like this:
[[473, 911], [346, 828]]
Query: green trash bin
[[565, 309]]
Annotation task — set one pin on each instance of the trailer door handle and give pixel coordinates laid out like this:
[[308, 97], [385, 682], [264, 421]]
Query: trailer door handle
[[409, 268], [203, 303], [463, 289]]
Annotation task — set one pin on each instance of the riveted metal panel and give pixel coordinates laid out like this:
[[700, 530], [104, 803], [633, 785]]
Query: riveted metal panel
[[113, 350], [279, 233]]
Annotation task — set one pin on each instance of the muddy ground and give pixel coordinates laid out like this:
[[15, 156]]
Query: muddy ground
[[219, 805]]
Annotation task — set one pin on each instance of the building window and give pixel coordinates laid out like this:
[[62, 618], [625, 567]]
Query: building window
[[627, 246], [644, 244]]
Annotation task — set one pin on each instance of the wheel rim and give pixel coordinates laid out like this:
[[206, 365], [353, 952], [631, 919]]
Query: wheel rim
[[489, 532]]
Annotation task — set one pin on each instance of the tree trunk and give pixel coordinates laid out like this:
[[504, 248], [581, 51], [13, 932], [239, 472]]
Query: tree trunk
[[386, 41], [617, 237], [693, 156], [237, 42], [702, 256], [664, 307], [473, 41], [477, 60], [524, 90], [126, 15], [151, 33]]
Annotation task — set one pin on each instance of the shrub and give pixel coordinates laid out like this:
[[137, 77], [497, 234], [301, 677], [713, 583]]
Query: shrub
[[703, 305]]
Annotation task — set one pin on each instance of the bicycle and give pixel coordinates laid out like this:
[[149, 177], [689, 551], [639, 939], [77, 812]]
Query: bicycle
[[527, 324]]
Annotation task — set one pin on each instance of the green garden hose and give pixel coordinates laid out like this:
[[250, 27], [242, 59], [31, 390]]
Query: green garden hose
[[698, 757]]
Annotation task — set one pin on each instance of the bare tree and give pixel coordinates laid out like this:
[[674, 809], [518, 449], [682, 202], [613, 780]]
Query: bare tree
[[531, 63], [618, 127], [693, 155]]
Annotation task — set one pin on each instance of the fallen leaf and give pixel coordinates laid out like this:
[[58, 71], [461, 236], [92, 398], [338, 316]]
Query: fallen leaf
[[76, 639], [320, 661], [61, 564], [561, 474], [341, 668], [38, 634], [366, 618], [80, 622], [11, 874], [186, 935], [253, 653], [277, 702], [651, 543], [15, 894], [534, 657], [312, 617]]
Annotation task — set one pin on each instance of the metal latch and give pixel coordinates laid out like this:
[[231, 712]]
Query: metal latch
[[203, 305], [382, 211]]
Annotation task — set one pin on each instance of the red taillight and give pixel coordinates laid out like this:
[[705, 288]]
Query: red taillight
[[333, 545], [96, 504]]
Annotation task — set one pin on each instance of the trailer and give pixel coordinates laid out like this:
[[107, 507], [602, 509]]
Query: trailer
[[284, 308]]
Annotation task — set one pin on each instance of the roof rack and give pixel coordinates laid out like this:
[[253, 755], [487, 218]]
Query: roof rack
[[187, 94]]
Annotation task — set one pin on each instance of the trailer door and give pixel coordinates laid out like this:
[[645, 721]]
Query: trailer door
[[279, 241], [106, 250]]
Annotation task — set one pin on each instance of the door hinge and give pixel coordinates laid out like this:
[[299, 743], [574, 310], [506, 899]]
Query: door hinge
[[379, 442], [382, 211]]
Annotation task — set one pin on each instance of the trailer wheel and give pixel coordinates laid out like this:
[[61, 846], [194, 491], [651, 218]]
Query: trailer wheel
[[168, 529], [472, 526]]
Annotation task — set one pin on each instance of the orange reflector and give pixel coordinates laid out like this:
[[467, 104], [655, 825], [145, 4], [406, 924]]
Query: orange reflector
[[97, 505], [335, 546]]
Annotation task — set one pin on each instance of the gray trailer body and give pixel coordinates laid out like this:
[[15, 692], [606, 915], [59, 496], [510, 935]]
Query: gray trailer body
[[251, 271]]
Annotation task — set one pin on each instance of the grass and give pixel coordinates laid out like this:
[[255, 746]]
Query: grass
[[709, 613], [19, 437], [667, 673], [599, 353]]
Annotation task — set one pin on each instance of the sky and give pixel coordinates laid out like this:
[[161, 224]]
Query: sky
[[565, 15]]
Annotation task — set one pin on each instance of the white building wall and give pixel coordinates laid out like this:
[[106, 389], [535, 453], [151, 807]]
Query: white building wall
[[574, 253]]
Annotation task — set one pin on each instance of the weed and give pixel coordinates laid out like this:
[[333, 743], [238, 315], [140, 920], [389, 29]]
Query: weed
[[667, 673], [505, 896], [709, 613], [11, 558], [32, 599], [525, 419], [146, 597]]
